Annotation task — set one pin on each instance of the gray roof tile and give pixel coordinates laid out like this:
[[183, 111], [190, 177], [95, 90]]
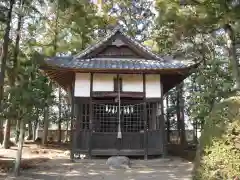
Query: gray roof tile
[[116, 63]]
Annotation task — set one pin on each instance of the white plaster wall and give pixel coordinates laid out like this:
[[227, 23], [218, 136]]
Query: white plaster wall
[[103, 82], [82, 85], [132, 82], [153, 86]]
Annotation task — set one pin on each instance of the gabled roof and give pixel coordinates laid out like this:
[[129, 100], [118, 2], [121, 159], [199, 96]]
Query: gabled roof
[[132, 41], [95, 59]]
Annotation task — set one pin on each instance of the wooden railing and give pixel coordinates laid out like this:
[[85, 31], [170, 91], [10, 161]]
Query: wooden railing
[[129, 141], [109, 141], [154, 139], [81, 140]]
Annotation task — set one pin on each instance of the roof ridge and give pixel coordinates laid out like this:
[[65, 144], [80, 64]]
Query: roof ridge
[[97, 44], [141, 46], [116, 29]]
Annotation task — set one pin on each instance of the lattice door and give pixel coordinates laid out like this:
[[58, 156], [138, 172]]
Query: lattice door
[[106, 117]]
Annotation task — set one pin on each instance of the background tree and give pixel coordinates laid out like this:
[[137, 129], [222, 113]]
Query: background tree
[[135, 17], [12, 69], [207, 34], [7, 9]]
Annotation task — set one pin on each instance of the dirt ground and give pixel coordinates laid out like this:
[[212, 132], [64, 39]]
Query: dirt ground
[[54, 164]]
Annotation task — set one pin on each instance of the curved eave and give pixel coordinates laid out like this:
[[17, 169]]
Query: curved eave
[[63, 78], [118, 70], [170, 77]]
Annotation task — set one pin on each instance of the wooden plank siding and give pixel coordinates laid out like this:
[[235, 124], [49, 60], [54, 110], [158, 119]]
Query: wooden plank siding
[[103, 143]]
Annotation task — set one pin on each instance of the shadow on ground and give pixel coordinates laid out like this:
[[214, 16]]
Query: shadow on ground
[[6, 164], [96, 169]]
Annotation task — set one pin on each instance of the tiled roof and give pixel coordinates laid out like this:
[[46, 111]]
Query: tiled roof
[[116, 63], [129, 38]]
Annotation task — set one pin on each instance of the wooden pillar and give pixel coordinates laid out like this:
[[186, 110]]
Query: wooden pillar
[[119, 140], [145, 120], [90, 118], [178, 113], [162, 123], [80, 115], [153, 124], [167, 118], [72, 118]]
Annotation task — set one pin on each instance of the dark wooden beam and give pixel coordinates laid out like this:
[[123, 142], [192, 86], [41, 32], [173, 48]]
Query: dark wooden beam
[[112, 100], [81, 100], [153, 99], [90, 117], [145, 120], [72, 87], [105, 94]]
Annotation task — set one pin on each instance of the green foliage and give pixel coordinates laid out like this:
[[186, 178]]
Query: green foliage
[[135, 16], [220, 142], [209, 85], [69, 26], [189, 30], [196, 17], [28, 94], [3, 12]]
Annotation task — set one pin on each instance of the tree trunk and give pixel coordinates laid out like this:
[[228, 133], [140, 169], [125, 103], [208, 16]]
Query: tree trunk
[[197, 160], [59, 132], [167, 117], [231, 44], [34, 131], [17, 131], [30, 131], [20, 147], [5, 47], [59, 116], [67, 132], [1, 131], [4, 52], [195, 123], [46, 124], [195, 138], [6, 140], [35, 125], [178, 114], [182, 119]]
